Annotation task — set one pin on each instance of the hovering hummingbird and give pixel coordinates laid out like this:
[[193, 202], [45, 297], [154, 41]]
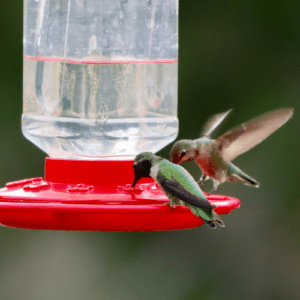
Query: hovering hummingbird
[[179, 186], [214, 156]]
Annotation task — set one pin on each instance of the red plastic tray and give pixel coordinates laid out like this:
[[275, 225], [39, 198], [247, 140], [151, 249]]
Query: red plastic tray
[[95, 195]]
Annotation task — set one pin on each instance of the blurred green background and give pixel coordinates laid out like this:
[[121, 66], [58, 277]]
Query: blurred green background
[[233, 54]]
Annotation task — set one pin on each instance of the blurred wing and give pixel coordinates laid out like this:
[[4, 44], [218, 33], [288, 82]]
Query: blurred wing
[[175, 188], [212, 123], [247, 135]]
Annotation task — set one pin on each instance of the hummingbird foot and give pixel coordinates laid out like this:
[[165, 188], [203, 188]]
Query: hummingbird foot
[[171, 205], [215, 187], [200, 183]]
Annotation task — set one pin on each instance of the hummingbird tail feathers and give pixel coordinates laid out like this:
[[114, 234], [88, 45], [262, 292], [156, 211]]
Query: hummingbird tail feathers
[[209, 216], [216, 220], [250, 181], [244, 178], [211, 224]]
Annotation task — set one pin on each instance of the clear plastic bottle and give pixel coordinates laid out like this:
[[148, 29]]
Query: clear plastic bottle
[[100, 77]]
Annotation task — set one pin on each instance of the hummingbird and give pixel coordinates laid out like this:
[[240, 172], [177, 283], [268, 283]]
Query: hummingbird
[[178, 185], [214, 156]]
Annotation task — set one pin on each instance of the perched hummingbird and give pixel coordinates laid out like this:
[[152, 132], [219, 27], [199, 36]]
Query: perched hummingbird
[[179, 186], [214, 156]]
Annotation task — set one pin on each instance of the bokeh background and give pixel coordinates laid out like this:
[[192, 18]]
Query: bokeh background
[[233, 54]]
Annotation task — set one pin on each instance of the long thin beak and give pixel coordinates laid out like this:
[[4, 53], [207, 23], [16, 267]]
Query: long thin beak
[[136, 179], [134, 183]]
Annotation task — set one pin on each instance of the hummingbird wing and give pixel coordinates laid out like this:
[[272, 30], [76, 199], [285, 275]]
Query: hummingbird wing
[[212, 123], [247, 135], [179, 183]]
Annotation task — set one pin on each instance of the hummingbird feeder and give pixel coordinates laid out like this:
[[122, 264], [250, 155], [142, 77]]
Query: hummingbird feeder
[[99, 87]]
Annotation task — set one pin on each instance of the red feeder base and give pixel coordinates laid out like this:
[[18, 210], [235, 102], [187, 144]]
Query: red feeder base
[[95, 195]]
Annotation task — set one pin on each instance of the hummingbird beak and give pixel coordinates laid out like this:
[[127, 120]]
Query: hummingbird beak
[[136, 179], [134, 182]]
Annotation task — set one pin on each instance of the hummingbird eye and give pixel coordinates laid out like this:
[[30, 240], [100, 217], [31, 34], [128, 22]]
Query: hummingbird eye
[[134, 166], [182, 153]]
